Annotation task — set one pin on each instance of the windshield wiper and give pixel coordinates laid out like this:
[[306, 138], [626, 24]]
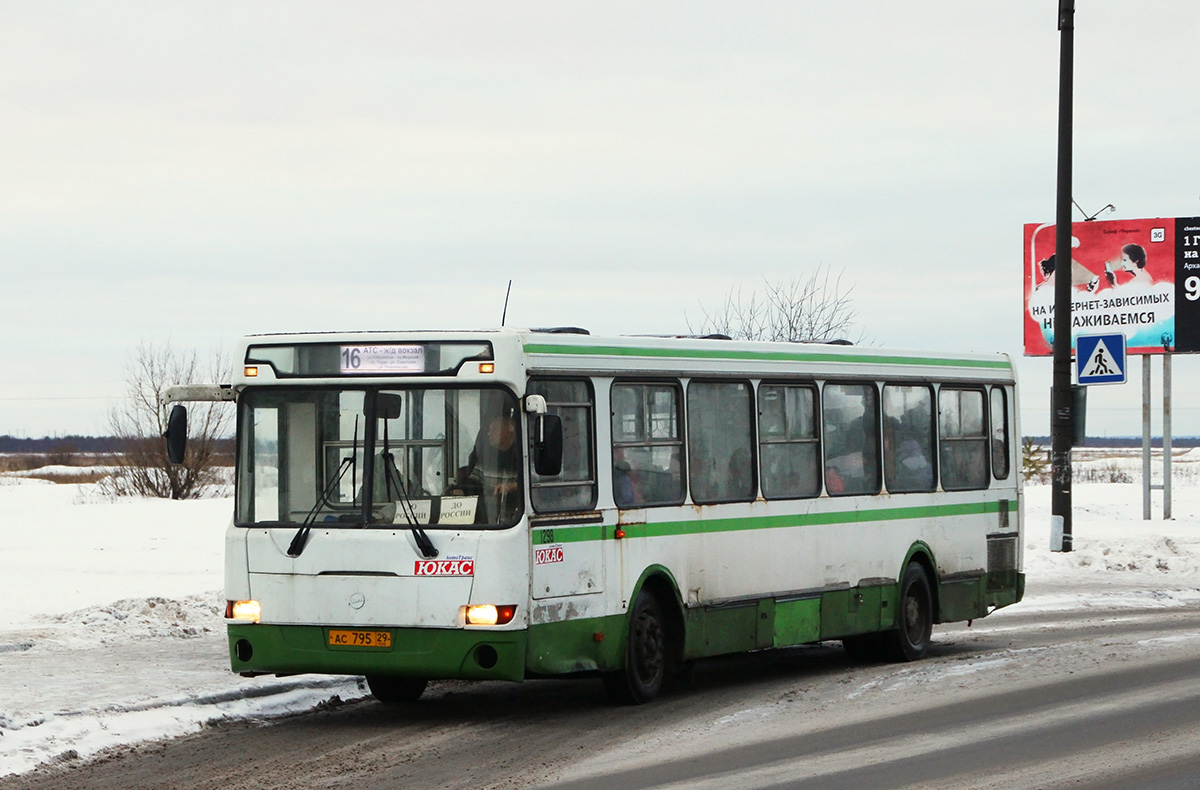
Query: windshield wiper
[[428, 550], [300, 540], [297, 545]]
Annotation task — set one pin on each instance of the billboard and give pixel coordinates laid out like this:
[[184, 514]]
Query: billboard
[[1137, 277]]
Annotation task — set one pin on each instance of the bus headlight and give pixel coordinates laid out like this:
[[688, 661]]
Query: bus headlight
[[250, 611], [488, 614]]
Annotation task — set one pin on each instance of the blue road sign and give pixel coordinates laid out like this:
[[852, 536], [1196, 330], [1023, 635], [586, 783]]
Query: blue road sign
[[1100, 359]]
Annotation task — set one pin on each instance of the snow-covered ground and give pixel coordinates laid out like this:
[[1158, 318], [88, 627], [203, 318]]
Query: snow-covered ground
[[112, 632], [112, 628]]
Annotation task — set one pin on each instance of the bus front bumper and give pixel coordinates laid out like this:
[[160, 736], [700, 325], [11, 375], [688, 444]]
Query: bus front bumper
[[431, 653]]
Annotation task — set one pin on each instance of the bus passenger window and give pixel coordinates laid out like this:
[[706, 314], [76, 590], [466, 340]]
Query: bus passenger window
[[851, 420], [999, 434], [720, 434], [647, 446], [788, 448], [963, 442], [907, 438], [574, 488]]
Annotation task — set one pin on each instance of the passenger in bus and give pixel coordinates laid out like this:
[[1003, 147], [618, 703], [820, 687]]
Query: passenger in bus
[[493, 471], [739, 477], [848, 451], [626, 490], [833, 480], [908, 467]]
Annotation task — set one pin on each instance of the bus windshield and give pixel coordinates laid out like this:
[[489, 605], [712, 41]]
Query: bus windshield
[[434, 457]]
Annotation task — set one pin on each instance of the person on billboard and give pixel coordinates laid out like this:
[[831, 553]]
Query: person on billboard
[[1131, 262], [1081, 276]]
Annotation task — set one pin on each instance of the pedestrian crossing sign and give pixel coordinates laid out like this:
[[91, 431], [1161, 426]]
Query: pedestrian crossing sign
[[1100, 359]]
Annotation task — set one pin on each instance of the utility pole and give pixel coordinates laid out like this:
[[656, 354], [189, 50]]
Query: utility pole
[[1060, 397]]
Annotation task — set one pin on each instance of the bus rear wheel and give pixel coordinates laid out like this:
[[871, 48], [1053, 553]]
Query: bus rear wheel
[[646, 654], [914, 625], [391, 690]]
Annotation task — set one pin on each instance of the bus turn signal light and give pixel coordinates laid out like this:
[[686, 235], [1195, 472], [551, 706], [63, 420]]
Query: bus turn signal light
[[250, 371], [250, 611], [487, 614], [487, 367]]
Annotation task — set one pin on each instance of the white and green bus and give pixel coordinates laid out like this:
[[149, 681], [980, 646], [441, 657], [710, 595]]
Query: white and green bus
[[517, 504]]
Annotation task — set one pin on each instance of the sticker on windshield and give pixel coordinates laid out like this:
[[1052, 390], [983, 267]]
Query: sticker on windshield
[[437, 510]]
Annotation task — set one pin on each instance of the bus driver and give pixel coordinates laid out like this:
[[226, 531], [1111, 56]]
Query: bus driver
[[493, 470]]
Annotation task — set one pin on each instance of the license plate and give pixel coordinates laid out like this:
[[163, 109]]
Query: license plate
[[360, 638]]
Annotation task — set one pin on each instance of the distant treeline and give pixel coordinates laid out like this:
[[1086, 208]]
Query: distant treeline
[[1126, 441], [76, 444], [59, 444]]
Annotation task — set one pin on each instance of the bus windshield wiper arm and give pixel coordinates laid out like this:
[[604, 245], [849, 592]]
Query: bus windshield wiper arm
[[301, 539], [405, 506], [428, 550], [423, 542]]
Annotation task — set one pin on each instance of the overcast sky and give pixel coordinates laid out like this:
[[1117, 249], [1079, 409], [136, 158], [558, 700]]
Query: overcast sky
[[193, 172]]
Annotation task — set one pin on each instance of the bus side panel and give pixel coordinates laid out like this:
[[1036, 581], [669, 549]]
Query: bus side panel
[[960, 599], [565, 636], [1011, 591], [575, 645], [850, 612], [717, 630], [797, 622]]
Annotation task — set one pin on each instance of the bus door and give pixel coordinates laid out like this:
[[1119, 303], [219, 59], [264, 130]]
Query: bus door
[[567, 529]]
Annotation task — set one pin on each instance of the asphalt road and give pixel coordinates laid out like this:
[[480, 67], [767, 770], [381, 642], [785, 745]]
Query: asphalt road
[[1085, 698]]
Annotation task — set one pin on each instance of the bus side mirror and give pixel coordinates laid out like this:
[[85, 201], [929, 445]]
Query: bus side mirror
[[548, 445], [176, 433]]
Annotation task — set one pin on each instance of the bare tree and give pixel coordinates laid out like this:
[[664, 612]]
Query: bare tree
[[141, 421], [801, 309]]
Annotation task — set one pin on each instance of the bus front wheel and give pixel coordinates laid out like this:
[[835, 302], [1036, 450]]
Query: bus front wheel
[[914, 625], [641, 678], [392, 690]]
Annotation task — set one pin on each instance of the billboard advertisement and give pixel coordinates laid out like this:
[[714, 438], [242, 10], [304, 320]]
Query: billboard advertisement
[[1137, 277]]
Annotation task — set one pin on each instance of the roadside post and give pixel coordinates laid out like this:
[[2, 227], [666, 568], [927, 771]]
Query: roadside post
[[1099, 359], [1060, 396]]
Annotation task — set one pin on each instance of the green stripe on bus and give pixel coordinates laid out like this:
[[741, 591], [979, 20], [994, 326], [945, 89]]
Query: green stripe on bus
[[716, 525], [763, 356]]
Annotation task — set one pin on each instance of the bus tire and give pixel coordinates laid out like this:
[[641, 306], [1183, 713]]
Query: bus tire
[[914, 626], [646, 654], [392, 690]]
